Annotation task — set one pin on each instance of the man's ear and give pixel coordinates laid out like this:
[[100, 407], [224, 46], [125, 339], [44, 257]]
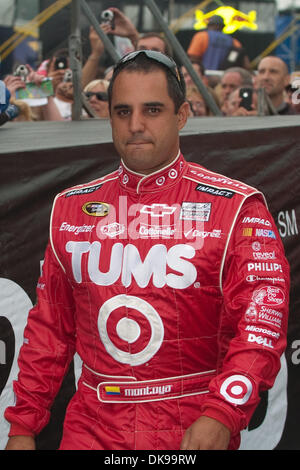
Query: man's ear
[[287, 80], [183, 114]]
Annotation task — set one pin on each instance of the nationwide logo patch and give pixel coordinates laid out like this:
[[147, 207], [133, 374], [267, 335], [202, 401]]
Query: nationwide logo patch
[[96, 209], [204, 188]]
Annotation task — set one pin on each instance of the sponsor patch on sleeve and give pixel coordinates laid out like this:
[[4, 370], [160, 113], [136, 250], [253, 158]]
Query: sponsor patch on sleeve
[[195, 211], [79, 192], [204, 188]]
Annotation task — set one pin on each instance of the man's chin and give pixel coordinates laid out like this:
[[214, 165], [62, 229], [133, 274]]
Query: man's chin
[[139, 161]]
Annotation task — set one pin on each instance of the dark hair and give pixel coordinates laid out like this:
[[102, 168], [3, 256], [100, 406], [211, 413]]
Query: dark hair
[[142, 63]]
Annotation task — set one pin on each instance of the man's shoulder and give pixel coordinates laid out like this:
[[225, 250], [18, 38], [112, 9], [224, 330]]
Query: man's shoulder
[[89, 187], [210, 180], [286, 109]]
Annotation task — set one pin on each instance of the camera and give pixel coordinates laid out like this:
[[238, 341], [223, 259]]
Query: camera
[[68, 77], [61, 63], [246, 98], [22, 72], [107, 16]]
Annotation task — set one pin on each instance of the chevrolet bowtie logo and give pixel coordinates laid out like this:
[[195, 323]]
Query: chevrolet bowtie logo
[[158, 210]]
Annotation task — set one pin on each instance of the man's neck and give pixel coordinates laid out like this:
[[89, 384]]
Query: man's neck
[[277, 100]]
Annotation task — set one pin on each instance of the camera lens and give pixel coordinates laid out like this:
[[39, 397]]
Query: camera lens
[[107, 15]]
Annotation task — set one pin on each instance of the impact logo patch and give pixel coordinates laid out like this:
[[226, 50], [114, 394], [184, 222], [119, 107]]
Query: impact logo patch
[[215, 191], [79, 192]]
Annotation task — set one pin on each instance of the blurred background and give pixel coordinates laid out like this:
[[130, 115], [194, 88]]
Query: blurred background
[[30, 30]]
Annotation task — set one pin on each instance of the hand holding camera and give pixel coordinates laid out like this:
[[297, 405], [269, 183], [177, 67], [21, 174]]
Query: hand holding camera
[[115, 22]]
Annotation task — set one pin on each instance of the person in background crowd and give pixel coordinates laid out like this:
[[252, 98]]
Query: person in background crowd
[[123, 27], [232, 79], [293, 93], [63, 99], [163, 324], [48, 112], [197, 102], [96, 93], [212, 46], [108, 73], [273, 76], [154, 42], [56, 67], [25, 111], [91, 69], [199, 69], [234, 107]]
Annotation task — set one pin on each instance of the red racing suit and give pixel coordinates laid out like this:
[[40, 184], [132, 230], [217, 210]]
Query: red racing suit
[[173, 289]]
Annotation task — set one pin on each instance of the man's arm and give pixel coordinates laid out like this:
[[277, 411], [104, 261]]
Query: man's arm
[[256, 276], [198, 45], [123, 27], [48, 348], [206, 434], [90, 68], [20, 443]]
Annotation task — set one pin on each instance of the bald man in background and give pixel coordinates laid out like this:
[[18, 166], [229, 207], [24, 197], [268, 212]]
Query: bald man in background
[[273, 76]]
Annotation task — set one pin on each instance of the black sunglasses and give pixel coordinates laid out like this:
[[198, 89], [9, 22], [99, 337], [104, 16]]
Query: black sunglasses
[[100, 95], [157, 57]]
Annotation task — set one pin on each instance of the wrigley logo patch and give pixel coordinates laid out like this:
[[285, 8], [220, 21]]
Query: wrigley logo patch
[[214, 191]]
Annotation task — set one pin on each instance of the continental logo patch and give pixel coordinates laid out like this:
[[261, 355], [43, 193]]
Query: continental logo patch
[[96, 209], [204, 188]]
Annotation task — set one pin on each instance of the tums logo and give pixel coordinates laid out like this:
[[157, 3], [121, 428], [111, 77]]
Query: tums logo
[[126, 264]]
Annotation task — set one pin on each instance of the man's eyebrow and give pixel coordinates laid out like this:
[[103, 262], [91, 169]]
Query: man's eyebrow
[[147, 105], [154, 103], [121, 106]]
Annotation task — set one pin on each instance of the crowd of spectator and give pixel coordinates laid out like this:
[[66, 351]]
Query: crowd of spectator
[[220, 62]]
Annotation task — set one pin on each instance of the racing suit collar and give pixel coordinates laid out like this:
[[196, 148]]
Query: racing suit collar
[[157, 181]]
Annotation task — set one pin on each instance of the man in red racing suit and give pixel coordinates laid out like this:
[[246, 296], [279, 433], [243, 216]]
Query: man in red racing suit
[[173, 289]]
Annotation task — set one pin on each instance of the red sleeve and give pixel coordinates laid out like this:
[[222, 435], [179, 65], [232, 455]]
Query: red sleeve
[[254, 320], [48, 348]]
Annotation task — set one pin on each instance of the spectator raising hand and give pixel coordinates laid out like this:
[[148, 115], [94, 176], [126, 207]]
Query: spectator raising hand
[[13, 84], [122, 26]]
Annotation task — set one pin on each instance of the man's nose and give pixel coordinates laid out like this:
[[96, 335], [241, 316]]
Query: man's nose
[[136, 123], [265, 75]]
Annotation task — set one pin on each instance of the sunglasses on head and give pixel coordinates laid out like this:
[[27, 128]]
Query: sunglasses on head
[[100, 95], [157, 57]]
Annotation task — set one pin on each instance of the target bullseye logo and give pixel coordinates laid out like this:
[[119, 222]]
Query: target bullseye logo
[[236, 389], [129, 330]]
